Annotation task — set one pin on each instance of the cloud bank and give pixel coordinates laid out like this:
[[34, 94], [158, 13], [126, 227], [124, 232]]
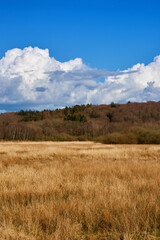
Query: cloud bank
[[30, 78]]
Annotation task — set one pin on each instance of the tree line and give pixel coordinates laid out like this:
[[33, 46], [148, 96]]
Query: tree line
[[113, 123]]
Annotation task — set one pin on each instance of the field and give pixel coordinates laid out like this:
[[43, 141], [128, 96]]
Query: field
[[79, 191]]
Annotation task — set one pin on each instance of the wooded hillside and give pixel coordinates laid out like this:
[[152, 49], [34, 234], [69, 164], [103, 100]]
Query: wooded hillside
[[114, 123]]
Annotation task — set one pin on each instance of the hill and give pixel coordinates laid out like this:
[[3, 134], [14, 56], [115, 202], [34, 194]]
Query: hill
[[114, 123]]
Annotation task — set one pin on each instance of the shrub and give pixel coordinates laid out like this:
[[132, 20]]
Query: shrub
[[78, 118], [113, 105]]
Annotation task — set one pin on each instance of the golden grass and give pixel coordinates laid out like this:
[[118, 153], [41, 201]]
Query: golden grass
[[79, 191]]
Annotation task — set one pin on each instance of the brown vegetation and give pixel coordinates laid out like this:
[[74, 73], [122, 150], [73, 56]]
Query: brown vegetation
[[77, 191], [132, 123]]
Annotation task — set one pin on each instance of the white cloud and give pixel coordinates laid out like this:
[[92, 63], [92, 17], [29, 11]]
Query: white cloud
[[2, 111], [31, 78]]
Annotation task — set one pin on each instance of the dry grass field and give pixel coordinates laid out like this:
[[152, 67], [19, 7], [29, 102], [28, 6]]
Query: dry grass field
[[79, 191]]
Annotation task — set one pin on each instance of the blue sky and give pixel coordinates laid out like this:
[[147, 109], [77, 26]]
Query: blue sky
[[91, 37], [108, 34]]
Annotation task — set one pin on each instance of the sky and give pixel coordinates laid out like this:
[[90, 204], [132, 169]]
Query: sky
[[62, 53]]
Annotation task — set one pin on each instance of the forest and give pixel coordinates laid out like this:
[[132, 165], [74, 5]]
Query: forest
[[130, 123]]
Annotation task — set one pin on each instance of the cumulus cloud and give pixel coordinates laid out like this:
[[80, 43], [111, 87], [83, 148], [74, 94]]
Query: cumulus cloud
[[30, 78], [2, 111]]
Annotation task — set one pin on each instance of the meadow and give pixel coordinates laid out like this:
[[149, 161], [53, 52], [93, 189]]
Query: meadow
[[79, 191]]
